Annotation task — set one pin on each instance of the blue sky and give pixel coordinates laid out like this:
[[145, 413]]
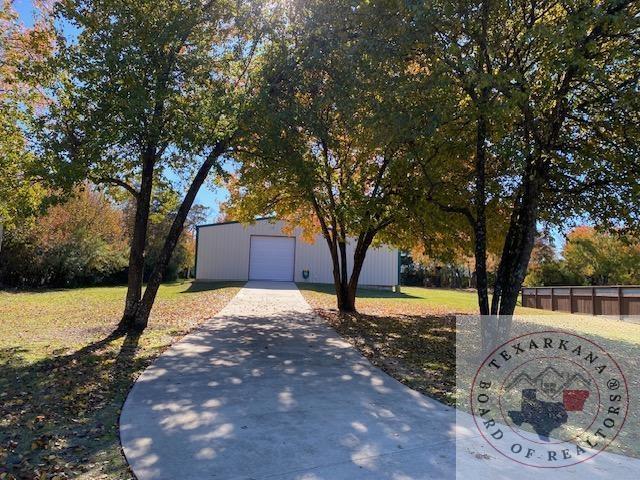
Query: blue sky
[[25, 9]]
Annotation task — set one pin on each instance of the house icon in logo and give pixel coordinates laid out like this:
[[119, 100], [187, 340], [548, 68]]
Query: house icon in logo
[[550, 383]]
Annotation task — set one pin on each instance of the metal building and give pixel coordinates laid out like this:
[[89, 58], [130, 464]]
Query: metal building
[[261, 251]]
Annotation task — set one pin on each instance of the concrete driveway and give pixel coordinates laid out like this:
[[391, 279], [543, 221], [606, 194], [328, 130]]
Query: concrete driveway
[[267, 390]]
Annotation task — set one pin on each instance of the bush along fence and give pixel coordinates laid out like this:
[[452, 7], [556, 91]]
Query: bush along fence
[[617, 301]]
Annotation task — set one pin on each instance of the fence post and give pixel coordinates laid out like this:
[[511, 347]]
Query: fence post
[[553, 307], [570, 299], [536, 300], [593, 300], [620, 304]]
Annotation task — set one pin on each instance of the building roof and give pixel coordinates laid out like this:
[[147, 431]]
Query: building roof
[[233, 221]]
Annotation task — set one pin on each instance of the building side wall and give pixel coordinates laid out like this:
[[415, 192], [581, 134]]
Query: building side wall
[[223, 254]]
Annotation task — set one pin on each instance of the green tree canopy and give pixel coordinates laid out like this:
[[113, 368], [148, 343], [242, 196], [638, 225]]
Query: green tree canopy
[[329, 145], [21, 50], [546, 95], [601, 258], [589, 257], [150, 87]]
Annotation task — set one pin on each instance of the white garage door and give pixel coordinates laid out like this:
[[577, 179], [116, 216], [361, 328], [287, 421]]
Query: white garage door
[[272, 258]]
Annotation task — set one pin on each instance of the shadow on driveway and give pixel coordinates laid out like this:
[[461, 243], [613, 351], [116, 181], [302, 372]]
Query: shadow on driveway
[[267, 389]]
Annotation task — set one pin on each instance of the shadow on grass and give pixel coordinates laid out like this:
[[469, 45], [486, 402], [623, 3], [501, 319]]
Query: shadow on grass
[[419, 351], [362, 292], [203, 286], [60, 414]]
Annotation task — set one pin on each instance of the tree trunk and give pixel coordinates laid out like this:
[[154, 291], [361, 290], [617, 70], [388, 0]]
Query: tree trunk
[[480, 226], [138, 242], [358, 261], [514, 260], [346, 300], [346, 286], [339, 259], [143, 311], [342, 247], [335, 260], [517, 248], [488, 323]]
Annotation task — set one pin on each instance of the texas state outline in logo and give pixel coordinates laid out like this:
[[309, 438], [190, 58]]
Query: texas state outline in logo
[[549, 399]]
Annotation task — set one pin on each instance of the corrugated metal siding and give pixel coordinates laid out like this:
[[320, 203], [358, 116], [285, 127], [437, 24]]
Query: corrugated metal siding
[[223, 254]]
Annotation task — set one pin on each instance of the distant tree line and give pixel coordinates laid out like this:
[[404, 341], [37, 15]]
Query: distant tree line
[[589, 257], [84, 240], [437, 275]]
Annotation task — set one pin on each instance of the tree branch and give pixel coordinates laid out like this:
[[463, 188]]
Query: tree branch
[[120, 183]]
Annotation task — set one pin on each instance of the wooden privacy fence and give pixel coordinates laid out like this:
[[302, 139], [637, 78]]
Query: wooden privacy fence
[[619, 301]]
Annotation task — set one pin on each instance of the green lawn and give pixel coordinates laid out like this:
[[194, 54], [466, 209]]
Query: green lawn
[[64, 376], [454, 299], [419, 298], [433, 301]]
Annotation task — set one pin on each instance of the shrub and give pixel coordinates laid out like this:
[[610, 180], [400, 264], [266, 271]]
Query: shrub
[[79, 242]]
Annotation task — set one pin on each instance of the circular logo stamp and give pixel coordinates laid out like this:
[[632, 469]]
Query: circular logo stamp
[[549, 399]]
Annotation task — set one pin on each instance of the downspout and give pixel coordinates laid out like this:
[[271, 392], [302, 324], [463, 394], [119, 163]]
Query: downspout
[[398, 290], [195, 267]]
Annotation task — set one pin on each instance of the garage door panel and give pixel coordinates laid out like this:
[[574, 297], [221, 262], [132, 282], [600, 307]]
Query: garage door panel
[[272, 258]]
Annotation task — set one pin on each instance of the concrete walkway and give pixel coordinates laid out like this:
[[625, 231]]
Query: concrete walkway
[[267, 390]]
